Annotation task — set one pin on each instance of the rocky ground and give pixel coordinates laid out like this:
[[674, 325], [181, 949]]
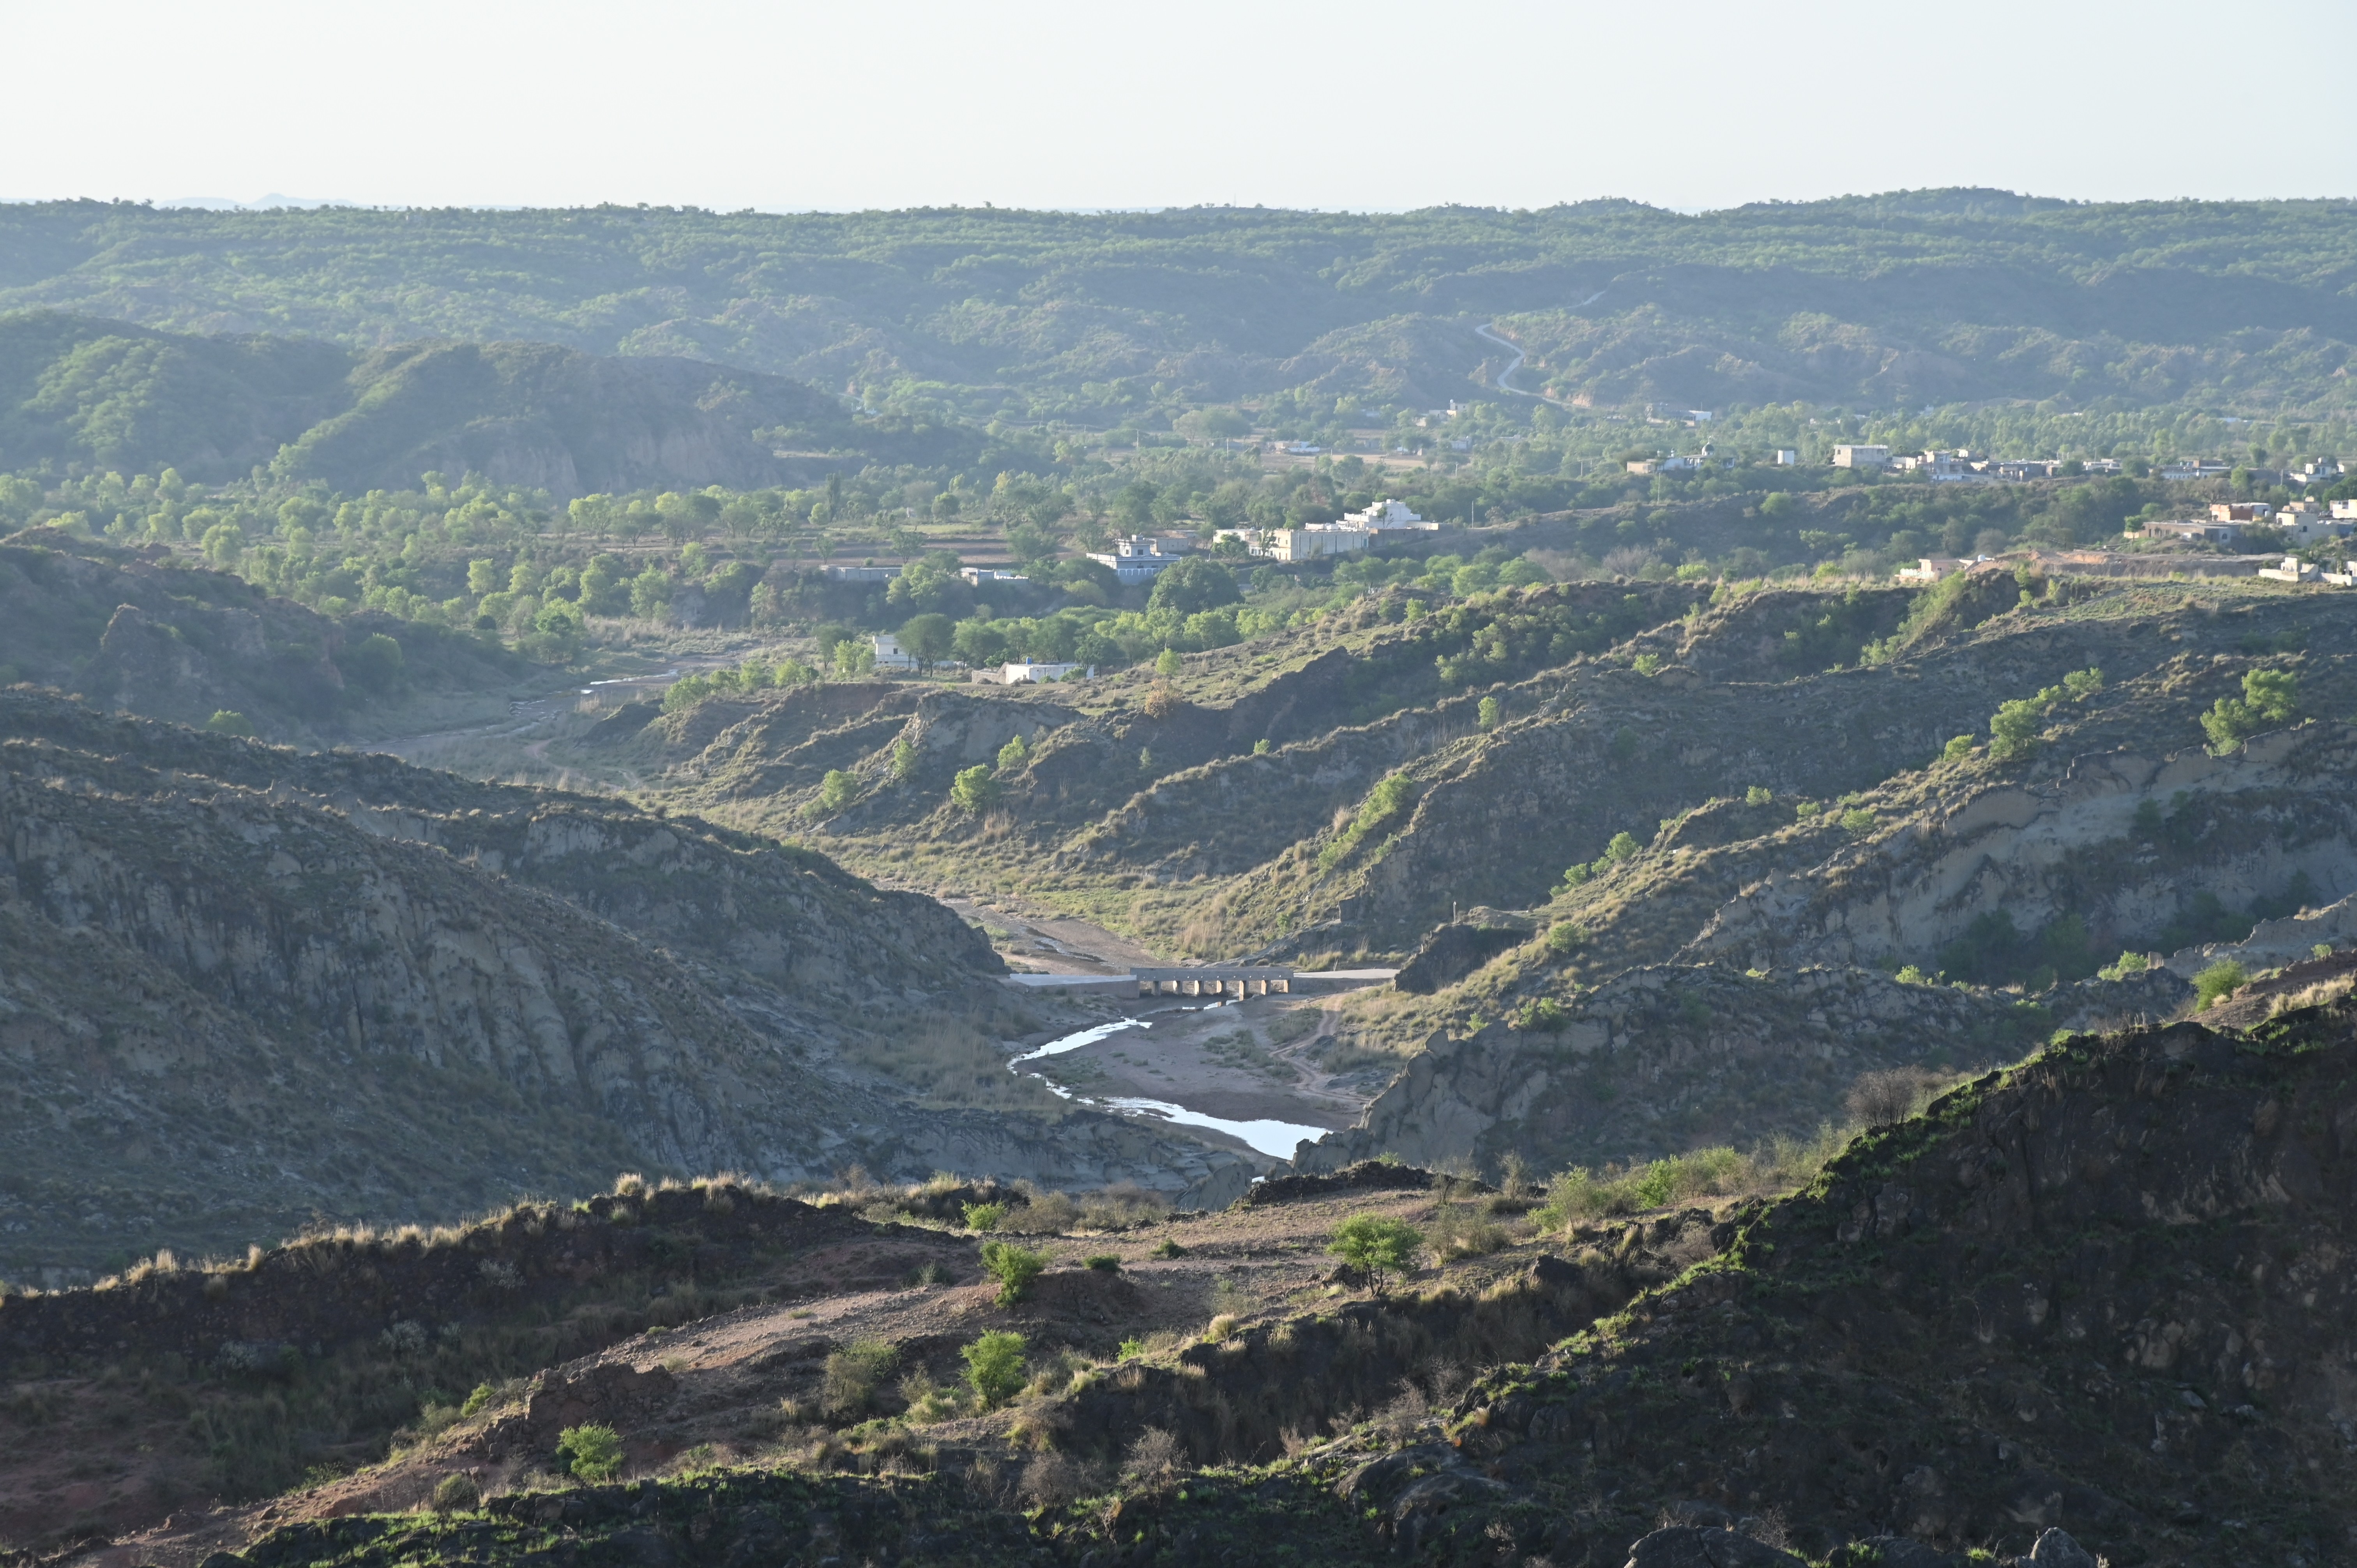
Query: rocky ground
[[2096, 1302]]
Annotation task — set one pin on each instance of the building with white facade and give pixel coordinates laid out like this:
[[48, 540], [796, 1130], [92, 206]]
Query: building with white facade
[[1140, 558], [1385, 514], [1861, 456], [1315, 541]]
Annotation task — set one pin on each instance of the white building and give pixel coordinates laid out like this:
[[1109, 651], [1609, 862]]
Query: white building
[[2293, 570], [889, 653], [978, 576], [2184, 468], [1387, 513], [1861, 456], [2347, 509], [1932, 568], [2316, 471], [1315, 541], [862, 574], [1140, 559], [1788, 457], [1033, 671]]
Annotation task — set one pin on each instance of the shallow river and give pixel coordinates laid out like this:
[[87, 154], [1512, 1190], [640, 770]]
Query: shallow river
[[1276, 1138]]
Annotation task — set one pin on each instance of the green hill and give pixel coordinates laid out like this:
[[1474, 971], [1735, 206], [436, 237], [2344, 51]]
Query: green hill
[[1902, 298], [80, 393]]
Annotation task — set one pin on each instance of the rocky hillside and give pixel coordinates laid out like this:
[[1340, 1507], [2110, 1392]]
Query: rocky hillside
[[138, 631], [248, 987], [1697, 849], [80, 392], [2093, 1305]]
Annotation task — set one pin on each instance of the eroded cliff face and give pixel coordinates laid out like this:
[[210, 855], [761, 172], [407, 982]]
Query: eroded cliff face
[[1669, 1057], [2041, 847], [245, 986]]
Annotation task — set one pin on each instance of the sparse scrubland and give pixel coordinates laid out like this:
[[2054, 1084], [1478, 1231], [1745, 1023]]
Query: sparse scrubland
[[1869, 1070]]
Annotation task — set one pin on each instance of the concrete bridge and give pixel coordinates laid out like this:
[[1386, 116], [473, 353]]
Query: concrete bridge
[[1213, 980]]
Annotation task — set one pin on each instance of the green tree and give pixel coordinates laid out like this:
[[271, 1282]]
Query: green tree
[[928, 639], [590, 1453], [994, 1367], [1196, 582], [974, 788], [229, 721], [482, 578], [2270, 698], [374, 663], [1376, 1245], [1014, 755], [1015, 1268], [1491, 714], [838, 791], [1622, 848], [1563, 939], [650, 593], [1167, 663], [2217, 982], [223, 543], [904, 758], [854, 657]]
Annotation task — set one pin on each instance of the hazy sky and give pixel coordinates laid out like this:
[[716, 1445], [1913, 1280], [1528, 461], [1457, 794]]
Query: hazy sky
[[1372, 104]]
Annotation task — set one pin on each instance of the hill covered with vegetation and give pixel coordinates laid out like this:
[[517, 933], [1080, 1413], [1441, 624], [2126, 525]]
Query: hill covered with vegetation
[[1884, 303], [82, 394]]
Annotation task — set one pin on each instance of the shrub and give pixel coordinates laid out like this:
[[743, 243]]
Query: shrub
[[1131, 1349], [457, 1494], [477, 1400], [1758, 795], [852, 1375], [1376, 1245], [994, 1367], [2269, 697], [904, 758], [1647, 664], [1167, 663], [1858, 822], [1013, 1267], [1545, 1014], [838, 791], [1957, 749], [984, 1216], [1260, 748], [590, 1453], [229, 721], [1623, 848], [1565, 937], [1170, 1248], [2132, 963], [1014, 755], [1104, 1263], [2217, 982], [1806, 811], [1491, 714], [974, 788], [1892, 1094]]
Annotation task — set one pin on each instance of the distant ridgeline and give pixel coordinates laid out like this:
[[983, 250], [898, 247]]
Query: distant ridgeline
[[1892, 302]]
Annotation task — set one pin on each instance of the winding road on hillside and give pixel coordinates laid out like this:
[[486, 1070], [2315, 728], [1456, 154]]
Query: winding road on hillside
[[1488, 330]]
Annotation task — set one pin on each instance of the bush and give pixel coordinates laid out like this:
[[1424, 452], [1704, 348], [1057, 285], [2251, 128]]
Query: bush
[[590, 1453], [994, 1367], [457, 1494], [1013, 1267], [1376, 1245], [974, 788], [1014, 755], [2132, 963], [904, 758], [2217, 982], [984, 1216], [1104, 1263], [1565, 937], [852, 1375], [1491, 714], [838, 791], [1957, 749], [2270, 697], [229, 721], [1857, 823], [1758, 795], [1170, 1248], [479, 1400], [1167, 663]]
